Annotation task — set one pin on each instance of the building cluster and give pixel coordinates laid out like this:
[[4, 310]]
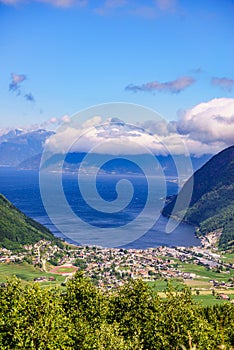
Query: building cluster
[[109, 267]]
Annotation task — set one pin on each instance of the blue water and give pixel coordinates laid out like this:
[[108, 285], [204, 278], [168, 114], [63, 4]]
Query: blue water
[[22, 189]]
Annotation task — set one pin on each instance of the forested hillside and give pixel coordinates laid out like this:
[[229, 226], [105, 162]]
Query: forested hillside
[[16, 229], [212, 203]]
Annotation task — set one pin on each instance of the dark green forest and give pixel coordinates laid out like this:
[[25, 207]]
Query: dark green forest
[[132, 317], [212, 203], [16, 229]]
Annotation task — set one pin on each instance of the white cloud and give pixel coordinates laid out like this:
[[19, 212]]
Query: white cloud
[[117, 138], [65, 119], [159, 127], [70, 137], [92, 122], [174, 86], [210, 122], [205, 129], [55, 122]]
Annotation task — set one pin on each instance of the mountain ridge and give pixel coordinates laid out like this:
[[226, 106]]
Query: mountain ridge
[[18, 145], [212, 204], [118, 165], [23, 149], [17, 229]]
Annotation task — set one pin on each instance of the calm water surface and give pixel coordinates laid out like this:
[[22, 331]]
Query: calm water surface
[[22, 189]]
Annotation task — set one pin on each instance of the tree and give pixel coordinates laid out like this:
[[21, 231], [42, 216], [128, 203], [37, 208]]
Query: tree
[[129, 318], [32, 318], [80, 263]]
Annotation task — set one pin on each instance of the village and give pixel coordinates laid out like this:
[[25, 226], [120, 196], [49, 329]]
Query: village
[[111, 267]]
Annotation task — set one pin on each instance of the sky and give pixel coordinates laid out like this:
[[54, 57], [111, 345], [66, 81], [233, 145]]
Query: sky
[[58, 57]]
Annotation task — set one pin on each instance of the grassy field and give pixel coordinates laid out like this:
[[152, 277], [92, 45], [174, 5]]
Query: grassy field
[[161, 285], [198, 284], [228, 258], [27, 273], [204, 288], [204, 274], [207, 300], [65, 269]]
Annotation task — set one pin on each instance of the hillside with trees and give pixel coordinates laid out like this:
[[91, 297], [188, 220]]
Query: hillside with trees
[[16, 229], [133, 317], [212, 203]]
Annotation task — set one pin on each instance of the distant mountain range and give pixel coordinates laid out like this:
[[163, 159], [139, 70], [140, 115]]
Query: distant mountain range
[[122, 165], [16, 229], [18, 145], [212, 204], [23, 149]]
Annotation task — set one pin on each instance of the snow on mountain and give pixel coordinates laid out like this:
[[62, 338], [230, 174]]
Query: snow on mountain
[[18, 145]]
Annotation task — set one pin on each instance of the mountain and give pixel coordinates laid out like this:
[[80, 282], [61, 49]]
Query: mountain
[[23, 149], [18, 145], [10, 134], [212, 203], [118, 165], [16, 229]]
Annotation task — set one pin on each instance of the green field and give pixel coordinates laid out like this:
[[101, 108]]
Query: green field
[[205, 297], [206, 274], [198, 284], [26, 272], [228, 258], [65, 270], [162, 285], [208, 300]]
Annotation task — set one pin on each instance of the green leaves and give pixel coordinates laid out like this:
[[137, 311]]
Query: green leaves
[[131, 318], [32, 318]]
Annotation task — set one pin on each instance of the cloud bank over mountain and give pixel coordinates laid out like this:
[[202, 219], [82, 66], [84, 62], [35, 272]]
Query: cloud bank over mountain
[[206, 128]]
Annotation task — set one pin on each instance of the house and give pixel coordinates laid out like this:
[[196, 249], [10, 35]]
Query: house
[[224, 296]]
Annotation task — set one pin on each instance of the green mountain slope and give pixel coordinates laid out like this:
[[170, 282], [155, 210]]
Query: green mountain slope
[[16, 229], [212, 203]]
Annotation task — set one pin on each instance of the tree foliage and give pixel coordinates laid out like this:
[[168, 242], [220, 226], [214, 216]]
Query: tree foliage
[[16, 229], [133, 317]]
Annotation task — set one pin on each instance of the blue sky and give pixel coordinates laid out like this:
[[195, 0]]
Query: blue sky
[[60, 56]]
